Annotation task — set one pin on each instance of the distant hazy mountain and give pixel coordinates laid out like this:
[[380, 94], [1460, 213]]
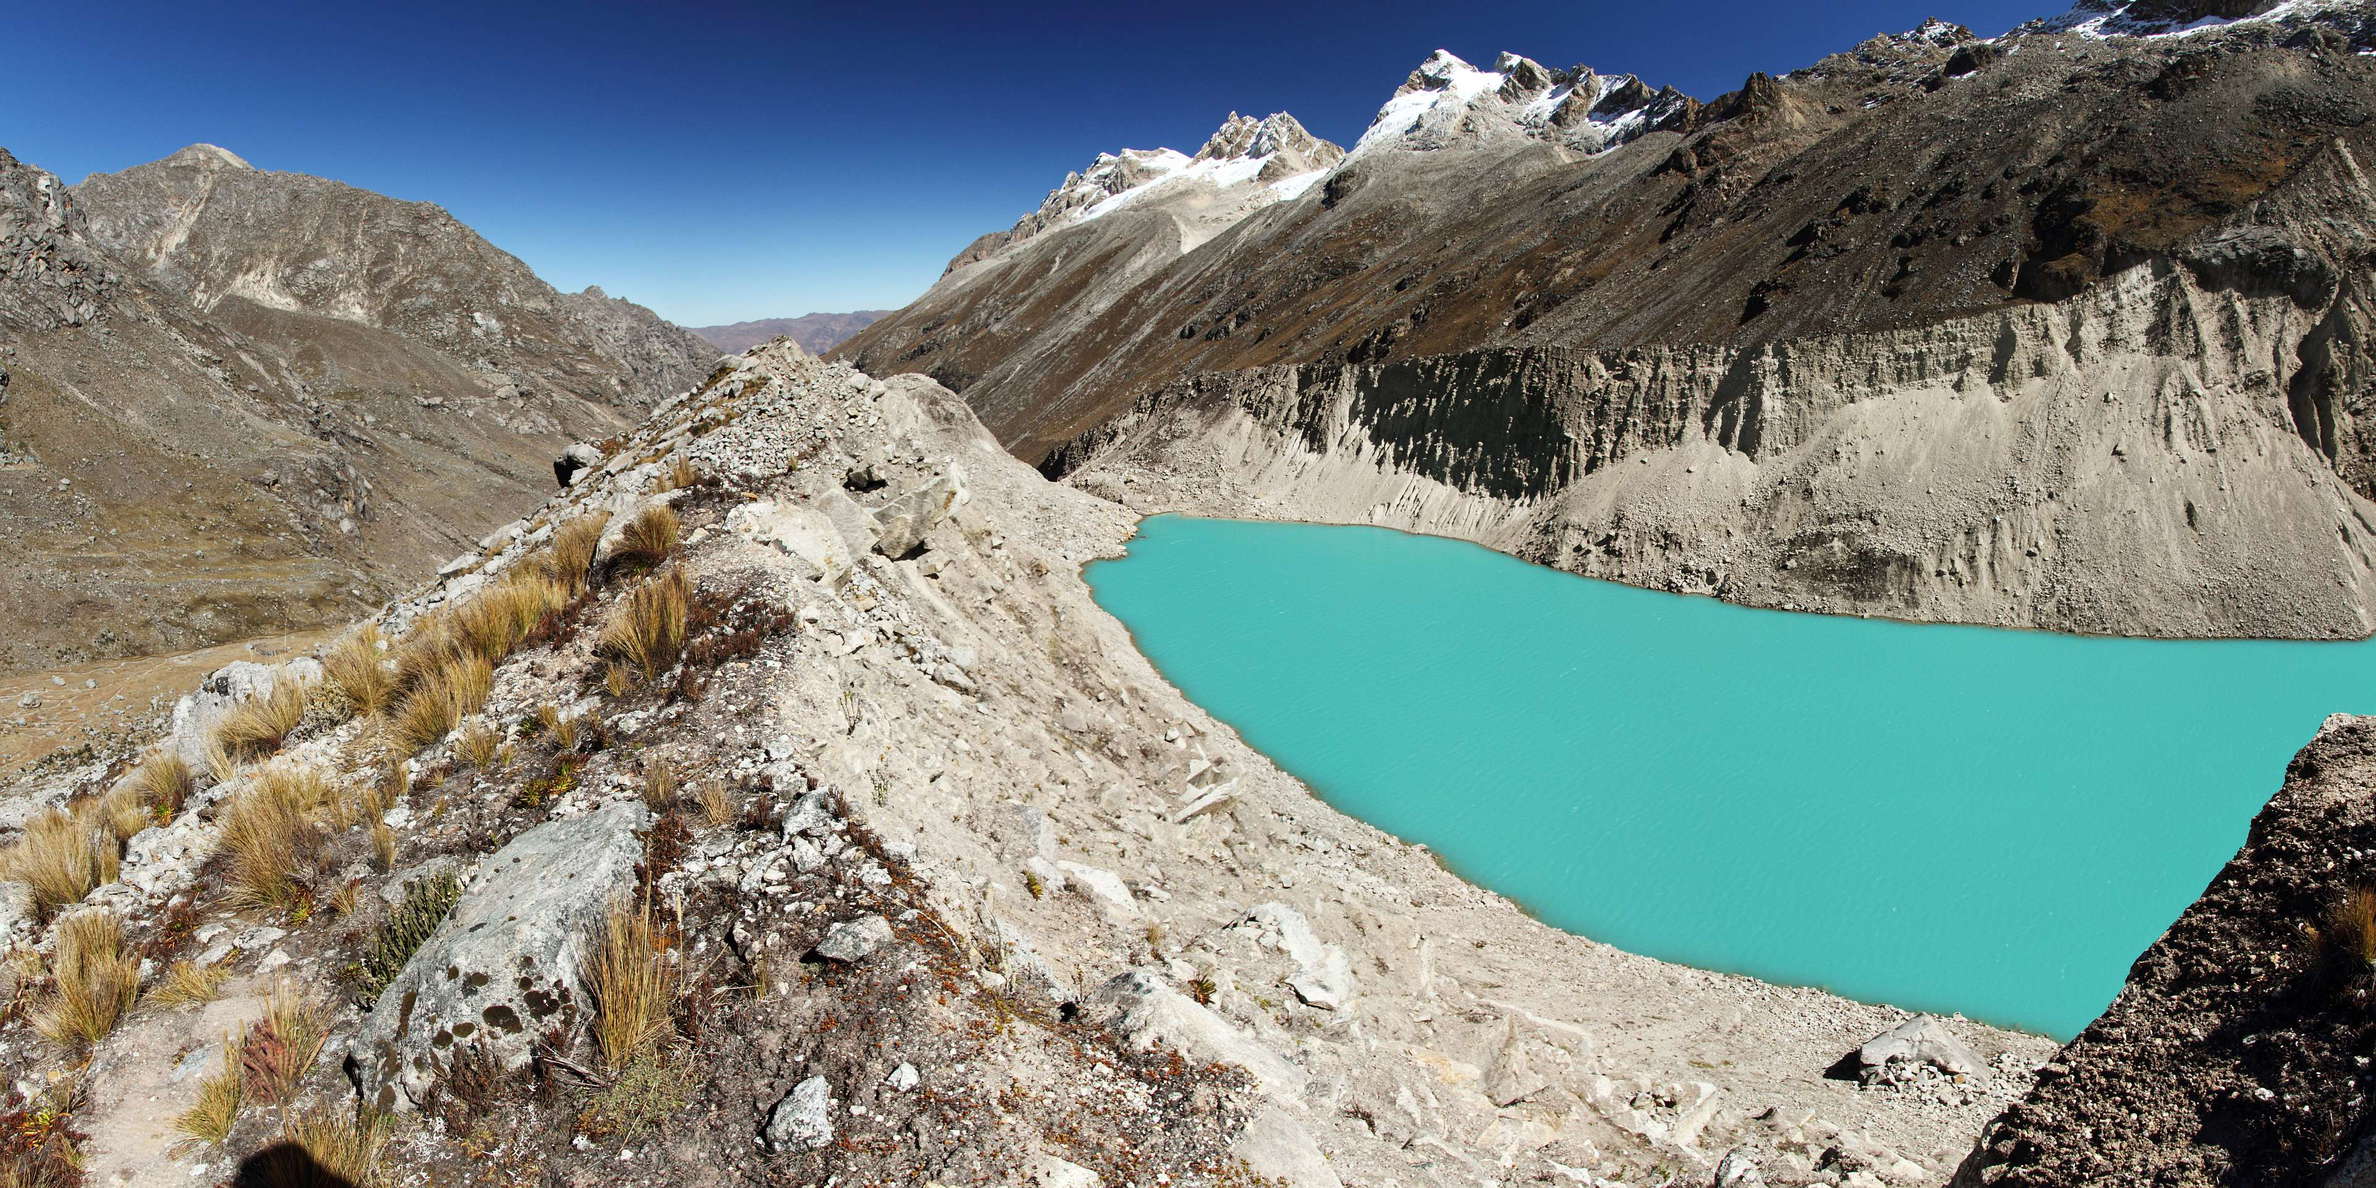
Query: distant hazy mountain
[[818, 332]]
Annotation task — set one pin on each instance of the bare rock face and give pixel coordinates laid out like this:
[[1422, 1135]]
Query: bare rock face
[[208, 225], [2236, 1054], [505, 966]]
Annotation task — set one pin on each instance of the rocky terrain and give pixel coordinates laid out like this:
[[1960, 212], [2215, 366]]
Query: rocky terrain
[[2238, 1052], [1796, 346], [240, 403], [816, 333], [922, 871]]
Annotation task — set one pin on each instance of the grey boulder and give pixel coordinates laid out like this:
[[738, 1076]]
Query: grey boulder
[[504, 966]]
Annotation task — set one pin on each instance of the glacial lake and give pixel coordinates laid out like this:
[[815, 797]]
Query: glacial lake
[[1947, 819]]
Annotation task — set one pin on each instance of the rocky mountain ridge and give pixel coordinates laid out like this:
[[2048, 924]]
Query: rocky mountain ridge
[[215, 229], [816, 333], [239, 403], [1398, 342]]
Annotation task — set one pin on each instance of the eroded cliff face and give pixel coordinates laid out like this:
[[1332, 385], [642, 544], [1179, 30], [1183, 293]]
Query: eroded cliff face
[[2176, 452], [2237, 1052]]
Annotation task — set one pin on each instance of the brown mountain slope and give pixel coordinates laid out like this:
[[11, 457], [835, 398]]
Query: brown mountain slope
[[236, 444], [1916, 178]]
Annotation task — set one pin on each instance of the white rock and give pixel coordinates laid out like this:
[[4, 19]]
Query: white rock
[[803, 1119]]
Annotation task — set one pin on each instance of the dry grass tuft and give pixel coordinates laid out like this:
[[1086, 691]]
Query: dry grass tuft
[[209, 1121], [442, 693], [716, 800], [2350, 927], [96, 980], [268, 834], [163, 783], [476, 745], [61, 855], [681, 473], [631, 986], [493, 623], [322, 1148], [569, 560], [357, 671], [645, 543], [660, 784], [257, 726], [187, 983], [563, 730], [646, 631]]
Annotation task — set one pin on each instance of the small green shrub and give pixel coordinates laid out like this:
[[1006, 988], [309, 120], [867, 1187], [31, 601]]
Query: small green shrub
[[426, 903]]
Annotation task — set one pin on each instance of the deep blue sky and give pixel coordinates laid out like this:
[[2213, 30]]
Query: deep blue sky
[[728, 161]]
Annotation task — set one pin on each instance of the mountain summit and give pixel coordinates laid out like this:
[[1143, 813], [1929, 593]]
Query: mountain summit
[[1245, 165], [1447, 100]]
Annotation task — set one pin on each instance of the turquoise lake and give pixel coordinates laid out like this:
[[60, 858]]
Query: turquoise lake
[[1942, 818]]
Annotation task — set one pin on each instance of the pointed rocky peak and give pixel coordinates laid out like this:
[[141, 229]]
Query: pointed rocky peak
[[208, 156], [1447, 102]]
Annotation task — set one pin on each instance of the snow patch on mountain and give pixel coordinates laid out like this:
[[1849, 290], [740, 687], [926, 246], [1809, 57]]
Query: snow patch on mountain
[[2105, 19], [1447, 101], [1247, 164]]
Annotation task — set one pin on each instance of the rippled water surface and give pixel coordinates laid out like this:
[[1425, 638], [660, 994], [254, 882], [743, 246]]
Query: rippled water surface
[[1943, 818]]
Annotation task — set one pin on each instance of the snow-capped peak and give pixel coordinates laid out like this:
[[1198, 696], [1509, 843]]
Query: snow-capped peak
[[1447, 100], [2103, 19], [1245, 165]]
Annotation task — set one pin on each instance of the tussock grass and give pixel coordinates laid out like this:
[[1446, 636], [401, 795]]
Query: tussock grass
[[646, 630], [426, 904], [680, 474], [569, 561], [2349, 929], [120, 812], [645, 543], [163, 783], [61, 855], [268, 834], [383, 845], [660, 784], [221, 765], [441, 694], [322, 1148], [96, 980], [209, 1121], [563, 730], [280, 1046], [257, 726], [716, 801], [476, 745], [187, 983], [493, 623], [630, 984], [357, 671]]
